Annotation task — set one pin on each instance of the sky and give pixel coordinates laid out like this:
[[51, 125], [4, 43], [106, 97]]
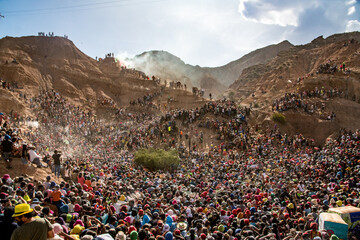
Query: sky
[[201, 32]]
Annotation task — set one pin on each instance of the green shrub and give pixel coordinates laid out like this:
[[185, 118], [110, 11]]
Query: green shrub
[[157, 159], [278, 117]]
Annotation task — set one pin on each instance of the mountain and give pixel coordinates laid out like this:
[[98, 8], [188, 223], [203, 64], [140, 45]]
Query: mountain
[[231, 71], [169, 67]]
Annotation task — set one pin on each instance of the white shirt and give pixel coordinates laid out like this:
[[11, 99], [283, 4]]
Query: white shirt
[[33, 155]]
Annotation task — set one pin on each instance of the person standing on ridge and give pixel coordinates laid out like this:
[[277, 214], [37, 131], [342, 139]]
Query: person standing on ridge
[[57, 162]]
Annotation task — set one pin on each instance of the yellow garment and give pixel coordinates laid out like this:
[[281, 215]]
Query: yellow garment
[[77, 229]]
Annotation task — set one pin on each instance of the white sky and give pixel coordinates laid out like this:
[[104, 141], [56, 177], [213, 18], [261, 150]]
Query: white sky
[[200, 32]]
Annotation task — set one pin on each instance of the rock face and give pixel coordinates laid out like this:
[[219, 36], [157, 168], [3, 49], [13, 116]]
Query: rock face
[[167, 66]]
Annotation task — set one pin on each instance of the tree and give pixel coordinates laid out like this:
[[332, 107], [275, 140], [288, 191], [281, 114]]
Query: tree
[[155, 159]]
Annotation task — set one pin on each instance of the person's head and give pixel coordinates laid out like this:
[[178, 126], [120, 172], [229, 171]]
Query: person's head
[[22, 213], [8, 212]]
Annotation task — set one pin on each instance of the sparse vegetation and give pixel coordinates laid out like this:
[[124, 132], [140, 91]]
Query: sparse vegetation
[[157, 159], [278, 117]]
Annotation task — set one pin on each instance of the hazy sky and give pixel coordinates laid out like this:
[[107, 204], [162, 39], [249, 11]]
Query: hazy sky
[[200, 32]]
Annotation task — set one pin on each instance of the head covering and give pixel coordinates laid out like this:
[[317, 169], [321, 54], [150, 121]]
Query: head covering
[[120, 236], [22, 209], [6, 176], [133, 235], [77, 229], [168, 236], [166, 227], [79, 222], [64, 208], [131, 228], [77, 208], [169, 220], [57, 228], [182, 226], [145, 220]]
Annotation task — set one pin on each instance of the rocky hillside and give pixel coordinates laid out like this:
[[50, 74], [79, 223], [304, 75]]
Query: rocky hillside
[[168, 66], [300, 62], [39, 63], [302, 69]]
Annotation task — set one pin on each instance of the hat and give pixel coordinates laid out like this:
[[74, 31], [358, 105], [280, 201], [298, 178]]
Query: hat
[[27, 198], [35, 201], [22, 209], [182, 226]]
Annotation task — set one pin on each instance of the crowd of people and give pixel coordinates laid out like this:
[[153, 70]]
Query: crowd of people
[[306, 101], [244, 185], [147, 100]]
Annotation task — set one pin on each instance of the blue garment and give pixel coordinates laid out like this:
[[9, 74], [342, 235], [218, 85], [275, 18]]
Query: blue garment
[[169, 236], [57, 170]]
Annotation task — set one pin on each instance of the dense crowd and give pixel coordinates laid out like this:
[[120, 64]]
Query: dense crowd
[[306, 101], [245, 185]]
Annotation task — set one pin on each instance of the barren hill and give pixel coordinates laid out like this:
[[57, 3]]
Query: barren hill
[[39, 63]]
